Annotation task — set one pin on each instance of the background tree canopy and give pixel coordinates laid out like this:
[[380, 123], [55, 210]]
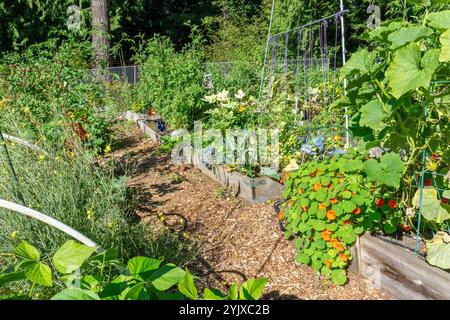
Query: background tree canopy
[[24, 22]]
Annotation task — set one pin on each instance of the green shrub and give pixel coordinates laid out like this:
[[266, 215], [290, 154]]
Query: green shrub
[[172, 82]]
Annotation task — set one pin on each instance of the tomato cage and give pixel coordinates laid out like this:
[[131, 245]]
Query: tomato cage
[[432, 199], [300, 80]]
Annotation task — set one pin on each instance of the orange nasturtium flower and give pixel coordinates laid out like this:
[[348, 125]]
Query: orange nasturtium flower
[[304, 208], [334, 201], [326, 235], [281, 216], [291, 203], [317, 186], [323, 206], [343, 257], [301, 191], [331, 215], [328, 263], [357, 211]]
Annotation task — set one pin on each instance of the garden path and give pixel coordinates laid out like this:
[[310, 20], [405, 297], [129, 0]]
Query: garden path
[[238, 240]]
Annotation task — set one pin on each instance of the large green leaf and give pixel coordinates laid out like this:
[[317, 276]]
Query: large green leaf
[[438, 251], [404, 72], [430, 60], [142, 267], [408, 34], [431, 206], [71, 256], [387, 171], [445, 49], [39, 273], [27, 251], [167, 276], [439, 20], [76, 294], [360, 61], [11, 277], [187, 286], [252, 289], [374, 113], [214, 294], [136, 292]]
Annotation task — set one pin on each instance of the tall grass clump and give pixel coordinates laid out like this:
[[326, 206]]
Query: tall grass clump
[[48, 102]]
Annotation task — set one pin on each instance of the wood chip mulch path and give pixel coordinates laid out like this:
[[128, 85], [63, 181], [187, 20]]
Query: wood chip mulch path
[[238, 240]]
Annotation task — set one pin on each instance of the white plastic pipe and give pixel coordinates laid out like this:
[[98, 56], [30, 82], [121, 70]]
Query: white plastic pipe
[[47, 220], [23, 142]]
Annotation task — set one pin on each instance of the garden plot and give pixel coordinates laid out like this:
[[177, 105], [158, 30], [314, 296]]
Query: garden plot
[[239, 240]]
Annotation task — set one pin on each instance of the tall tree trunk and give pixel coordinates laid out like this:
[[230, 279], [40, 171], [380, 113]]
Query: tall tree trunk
[[100, 26]]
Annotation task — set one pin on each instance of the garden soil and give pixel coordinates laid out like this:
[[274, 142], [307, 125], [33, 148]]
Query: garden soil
[[237, 240]]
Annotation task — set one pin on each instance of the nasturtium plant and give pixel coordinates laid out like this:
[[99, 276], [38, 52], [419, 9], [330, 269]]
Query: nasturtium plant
[[327, 204], [333, 201]]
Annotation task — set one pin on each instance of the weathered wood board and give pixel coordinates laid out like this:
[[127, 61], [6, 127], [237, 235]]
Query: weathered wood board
[[140, 121], [399, 272], [254, 190]]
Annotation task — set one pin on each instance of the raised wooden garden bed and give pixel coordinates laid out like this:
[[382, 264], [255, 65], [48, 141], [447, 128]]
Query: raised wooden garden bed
[[254, 190], [398, 271], [146, 124]]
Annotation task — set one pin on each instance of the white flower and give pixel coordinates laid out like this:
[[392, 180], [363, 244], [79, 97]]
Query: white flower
[[210, 99], [223, 96], [240, 95]]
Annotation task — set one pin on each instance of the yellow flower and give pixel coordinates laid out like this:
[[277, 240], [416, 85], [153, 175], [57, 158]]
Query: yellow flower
[[337, 138], [242, 109], [107, 149], [431, 166], [14, 235], [90, 214]]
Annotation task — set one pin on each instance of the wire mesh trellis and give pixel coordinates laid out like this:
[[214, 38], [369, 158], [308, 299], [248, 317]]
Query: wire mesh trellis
[[428, 177], [301, 66]]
